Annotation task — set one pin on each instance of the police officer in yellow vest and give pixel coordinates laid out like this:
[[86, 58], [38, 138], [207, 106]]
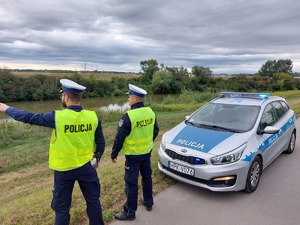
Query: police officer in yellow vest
[[136, 132], [76, 146]]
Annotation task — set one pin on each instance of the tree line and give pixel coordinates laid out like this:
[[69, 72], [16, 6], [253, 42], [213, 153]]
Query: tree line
[[274, 75]]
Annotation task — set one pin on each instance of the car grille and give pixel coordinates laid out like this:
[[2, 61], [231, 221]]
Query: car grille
[[189, 159]]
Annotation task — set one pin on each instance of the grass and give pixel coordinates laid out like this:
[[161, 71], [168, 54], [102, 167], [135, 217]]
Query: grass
[[26, 181]]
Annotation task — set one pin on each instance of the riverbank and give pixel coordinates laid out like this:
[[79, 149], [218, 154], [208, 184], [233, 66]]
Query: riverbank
[[103, 103], [29, 189], [26, 181]]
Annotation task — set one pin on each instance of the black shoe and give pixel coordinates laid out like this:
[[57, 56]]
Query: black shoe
[[148, 208], [123, 216]]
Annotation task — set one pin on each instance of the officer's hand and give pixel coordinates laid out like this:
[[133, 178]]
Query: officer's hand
[[3, 107], [114, 160], [95, 160]]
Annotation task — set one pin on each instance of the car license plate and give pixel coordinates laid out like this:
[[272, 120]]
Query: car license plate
[[182, 169]]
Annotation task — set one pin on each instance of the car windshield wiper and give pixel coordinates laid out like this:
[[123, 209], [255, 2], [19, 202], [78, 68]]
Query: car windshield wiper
[[191, 123], [218, 127]]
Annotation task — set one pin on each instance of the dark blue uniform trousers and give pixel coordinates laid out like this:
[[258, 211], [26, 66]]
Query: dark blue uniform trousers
[[62, 194], [133, 165]]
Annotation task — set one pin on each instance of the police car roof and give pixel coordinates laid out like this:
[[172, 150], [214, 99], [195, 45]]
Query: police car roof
[[242, 98]]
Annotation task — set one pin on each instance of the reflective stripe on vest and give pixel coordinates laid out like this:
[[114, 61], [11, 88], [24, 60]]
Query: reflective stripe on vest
[[140, 139], [73, 141]]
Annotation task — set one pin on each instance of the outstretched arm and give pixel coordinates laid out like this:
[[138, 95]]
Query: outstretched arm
[[40, 119]]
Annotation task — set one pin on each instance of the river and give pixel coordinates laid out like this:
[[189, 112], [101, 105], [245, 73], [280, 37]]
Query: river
[[104, 103]]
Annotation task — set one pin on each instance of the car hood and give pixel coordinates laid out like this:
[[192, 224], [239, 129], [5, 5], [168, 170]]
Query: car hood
[[195, 139]]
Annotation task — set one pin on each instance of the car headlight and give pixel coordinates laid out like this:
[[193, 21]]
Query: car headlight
[[162, 144], [229, 157]]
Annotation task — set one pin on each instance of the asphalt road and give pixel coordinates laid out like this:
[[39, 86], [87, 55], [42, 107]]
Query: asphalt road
[[275, 202]]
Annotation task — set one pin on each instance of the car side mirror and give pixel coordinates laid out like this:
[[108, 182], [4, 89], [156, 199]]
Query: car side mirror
[[271, 130]]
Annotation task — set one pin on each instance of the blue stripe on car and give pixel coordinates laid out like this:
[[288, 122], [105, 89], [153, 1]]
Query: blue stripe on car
[[269, 141], [199, 139]]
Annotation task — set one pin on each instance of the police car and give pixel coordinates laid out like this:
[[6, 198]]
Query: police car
[[226, 144]]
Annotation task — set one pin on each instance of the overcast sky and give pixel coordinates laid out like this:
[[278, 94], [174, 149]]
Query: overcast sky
[[228, 36]]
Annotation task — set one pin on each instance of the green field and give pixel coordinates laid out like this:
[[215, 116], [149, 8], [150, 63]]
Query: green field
[[97, 75]]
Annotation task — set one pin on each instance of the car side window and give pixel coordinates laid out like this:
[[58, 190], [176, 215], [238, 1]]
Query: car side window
[[285, 106], [268, 118], [278, 109]]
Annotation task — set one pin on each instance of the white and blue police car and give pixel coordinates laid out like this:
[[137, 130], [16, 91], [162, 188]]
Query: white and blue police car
[[226, 144]]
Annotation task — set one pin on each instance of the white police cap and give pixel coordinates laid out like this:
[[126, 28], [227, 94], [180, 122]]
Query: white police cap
[[134, 90], [71, 86]]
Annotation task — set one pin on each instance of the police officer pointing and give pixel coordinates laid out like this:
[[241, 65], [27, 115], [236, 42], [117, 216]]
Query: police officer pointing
[[72, 155], [136, 132]]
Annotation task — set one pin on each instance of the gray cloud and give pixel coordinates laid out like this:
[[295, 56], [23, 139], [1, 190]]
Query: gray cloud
[[234, 36]]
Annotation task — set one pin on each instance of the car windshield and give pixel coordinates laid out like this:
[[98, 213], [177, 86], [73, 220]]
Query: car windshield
[[228, 117]]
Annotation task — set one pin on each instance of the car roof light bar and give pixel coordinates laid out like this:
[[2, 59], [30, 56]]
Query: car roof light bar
[[244, 95]]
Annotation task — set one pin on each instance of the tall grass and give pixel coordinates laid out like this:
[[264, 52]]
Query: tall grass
[[189, 97], [27, 187], [22, 145]]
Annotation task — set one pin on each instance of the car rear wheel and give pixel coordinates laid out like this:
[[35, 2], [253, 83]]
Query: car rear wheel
[[292, 143], [253, 177]]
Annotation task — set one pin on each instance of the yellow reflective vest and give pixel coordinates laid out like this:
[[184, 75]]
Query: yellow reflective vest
[[140, 139], [73, 141]]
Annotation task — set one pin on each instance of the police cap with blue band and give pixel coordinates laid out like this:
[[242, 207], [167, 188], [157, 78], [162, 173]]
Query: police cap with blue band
[[134, 90], [71, 86]]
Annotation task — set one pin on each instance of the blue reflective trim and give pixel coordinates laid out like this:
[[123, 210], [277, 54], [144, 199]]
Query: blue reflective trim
[[199, 139], [248, 158], [72, 90], [270, 140], [136, 93]]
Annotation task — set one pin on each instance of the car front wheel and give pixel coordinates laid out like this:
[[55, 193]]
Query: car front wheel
[[253, 176]]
